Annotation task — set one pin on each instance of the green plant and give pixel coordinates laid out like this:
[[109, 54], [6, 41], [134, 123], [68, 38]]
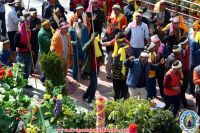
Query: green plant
[[52, 68], [121, 113], [14, 104]]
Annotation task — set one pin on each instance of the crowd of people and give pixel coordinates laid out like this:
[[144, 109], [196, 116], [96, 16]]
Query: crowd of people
[[139, 52]]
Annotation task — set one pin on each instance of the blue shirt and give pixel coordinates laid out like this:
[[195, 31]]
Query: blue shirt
[[2, 8], [4, 56]]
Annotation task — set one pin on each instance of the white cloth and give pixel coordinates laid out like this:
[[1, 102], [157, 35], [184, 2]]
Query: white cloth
[[140, 93], [138, 34], [65, 52], [11, 19], [84, 19]]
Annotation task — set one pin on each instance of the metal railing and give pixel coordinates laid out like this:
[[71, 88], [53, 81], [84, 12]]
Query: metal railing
[[172, 10]]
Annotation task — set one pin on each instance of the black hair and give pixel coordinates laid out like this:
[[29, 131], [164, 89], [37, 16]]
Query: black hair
[[32, 9], [183, 38], [175, 63]]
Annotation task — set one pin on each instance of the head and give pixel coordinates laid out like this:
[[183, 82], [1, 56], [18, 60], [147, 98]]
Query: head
[[46, 24], [156, 40], [11, 2], [114, 25], [176, 65], [139, 17], [131, 2], [25, 13], [162, 5], [184, 42], [95, 4], [53, 1], [121, 38], [18, 3], [175, 22], [63, 28], [5, 44], [152, 47], [79, 10], [177, 51], [116, 9], [144, 56], [33, 12]]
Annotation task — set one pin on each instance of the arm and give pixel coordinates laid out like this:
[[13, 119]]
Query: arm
[[87, 45], [14, 17], [88, 24], [167, 80], [128, 29], [128, 63], [196, 77], [146, 32]]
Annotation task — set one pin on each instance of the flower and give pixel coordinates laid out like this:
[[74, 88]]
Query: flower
[[46, 96], [133, 128], [1, 77], [2, 71], [59, 96], [1, 100], [2, 96], [2, 90], [10, 74], [11, 99], [15, 90], [32, 129]]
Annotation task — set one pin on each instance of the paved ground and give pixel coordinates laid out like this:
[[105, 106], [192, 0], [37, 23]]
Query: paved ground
[[104, 85]]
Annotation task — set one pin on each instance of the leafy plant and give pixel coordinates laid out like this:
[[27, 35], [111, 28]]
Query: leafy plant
[[121, 113], [52, 68]]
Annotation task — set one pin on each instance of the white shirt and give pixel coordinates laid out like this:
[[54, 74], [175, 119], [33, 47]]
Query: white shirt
[[138, 34], [11, 18]]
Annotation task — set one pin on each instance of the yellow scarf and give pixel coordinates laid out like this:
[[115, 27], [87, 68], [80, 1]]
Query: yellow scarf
[[122, 53], [52, 31], [96, 46], [197, 37], [119, 18]]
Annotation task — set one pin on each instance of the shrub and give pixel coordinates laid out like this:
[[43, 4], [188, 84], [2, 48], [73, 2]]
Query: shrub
[[52, 68], [121, 113]]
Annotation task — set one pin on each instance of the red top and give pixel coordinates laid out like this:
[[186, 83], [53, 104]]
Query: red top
[[172, 79]]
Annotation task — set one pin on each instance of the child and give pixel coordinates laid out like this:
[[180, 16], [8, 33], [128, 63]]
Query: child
[[119, 71], [7, 57]]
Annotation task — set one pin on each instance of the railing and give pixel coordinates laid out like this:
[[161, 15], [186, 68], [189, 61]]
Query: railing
[[177, 8]]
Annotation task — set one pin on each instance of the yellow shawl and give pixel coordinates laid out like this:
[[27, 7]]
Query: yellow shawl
[[122, 53], [96, 47], [197, 37]]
